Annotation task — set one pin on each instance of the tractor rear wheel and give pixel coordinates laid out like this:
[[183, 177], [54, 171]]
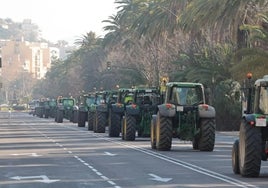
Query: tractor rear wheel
[[153, 132], [195, 142], [163, 133], [130, 128], [235, 157], [249, 150], [123, 128], [207, 135], [114, 124], [90, 121], [100, 122], [81, 119], [60, 116], [75, 116], [46, 113]]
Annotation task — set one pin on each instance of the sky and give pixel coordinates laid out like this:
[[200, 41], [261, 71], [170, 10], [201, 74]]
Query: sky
[[61, 19]]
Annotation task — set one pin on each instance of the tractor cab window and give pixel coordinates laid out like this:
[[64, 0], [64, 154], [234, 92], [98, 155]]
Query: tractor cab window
[[155, 98], [99, 99], [112, 98], [187, 95], [128, 99], [68, 102], [90, 100], [263, 102]]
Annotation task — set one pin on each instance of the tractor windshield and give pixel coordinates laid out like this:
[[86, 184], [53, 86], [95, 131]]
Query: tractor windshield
[[90, 100], [264, 100], [68, 102], [187, 95]]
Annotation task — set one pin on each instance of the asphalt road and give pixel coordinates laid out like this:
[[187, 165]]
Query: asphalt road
[[37, 153]]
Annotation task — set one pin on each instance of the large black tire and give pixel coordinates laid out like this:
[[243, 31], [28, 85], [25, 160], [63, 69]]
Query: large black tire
[[153, 132], [114, 124], [235, 157], [90, 121], [163, 133], [60, 116], [249, 150], [75, 116], [46, 113], [82, 119], [123, 124], [130, 128], [207, 135], [195, 142], [101, 122]]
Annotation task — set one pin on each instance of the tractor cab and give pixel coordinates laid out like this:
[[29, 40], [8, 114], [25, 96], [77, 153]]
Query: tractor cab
[[261, 96]]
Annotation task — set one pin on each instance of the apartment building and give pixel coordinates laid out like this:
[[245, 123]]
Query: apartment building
[[34, 58]]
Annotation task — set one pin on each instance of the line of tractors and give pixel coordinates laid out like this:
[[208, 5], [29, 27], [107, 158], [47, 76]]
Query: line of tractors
[[175, 110]]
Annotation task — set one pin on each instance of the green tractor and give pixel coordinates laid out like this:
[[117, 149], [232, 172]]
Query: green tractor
[[39, 109], [85, 101], [65, 109], [106, 99], [49, 107], [93, 117], [138, 115], [185, 115], [116, 110], [251, 148], [52, 103]]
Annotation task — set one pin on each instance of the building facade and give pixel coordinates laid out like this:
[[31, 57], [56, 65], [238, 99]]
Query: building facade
[[34, 58], [21, 60]]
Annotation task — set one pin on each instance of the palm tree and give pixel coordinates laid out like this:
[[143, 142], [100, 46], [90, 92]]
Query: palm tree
[[255, 57], [224, 18]]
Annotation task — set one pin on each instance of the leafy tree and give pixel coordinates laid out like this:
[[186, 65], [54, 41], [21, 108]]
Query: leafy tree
[[228, 105]]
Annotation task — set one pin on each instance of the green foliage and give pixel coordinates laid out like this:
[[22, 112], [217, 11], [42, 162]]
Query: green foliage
[[228, 105], [205, 64], [148, 39], [15, 30]]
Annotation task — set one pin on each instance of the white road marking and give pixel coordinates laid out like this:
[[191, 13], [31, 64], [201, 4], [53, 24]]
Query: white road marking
[[110, 154], [158, 178], [41, 178], [26, 154]]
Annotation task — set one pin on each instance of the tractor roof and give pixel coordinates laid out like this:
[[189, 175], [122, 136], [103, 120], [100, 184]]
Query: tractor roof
[[262, 82], [183, 84]]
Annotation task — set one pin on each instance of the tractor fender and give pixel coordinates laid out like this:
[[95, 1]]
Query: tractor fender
[[206, 111], [167, 110], [132, 110], [117, 108], [249, 117]]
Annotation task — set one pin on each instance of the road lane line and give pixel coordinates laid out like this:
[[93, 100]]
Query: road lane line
[[189, 166], [80, 160]]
